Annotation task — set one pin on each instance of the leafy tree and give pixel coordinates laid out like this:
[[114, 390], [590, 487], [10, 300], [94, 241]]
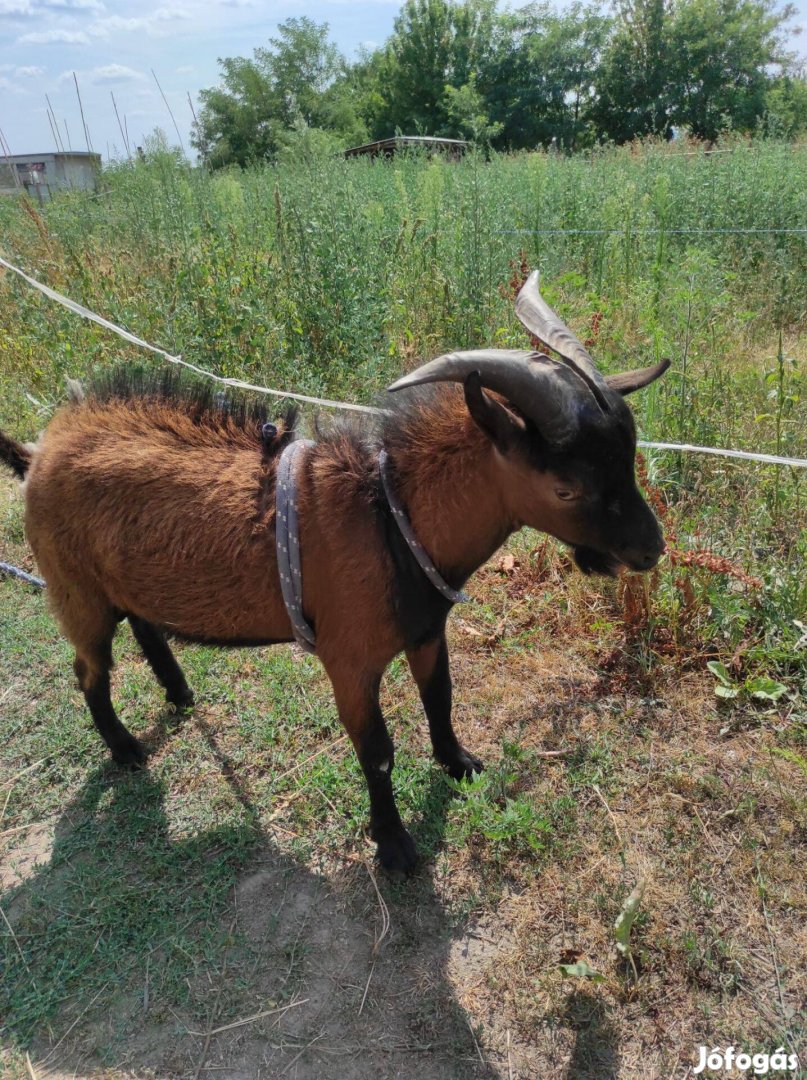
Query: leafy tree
[[297, 80], [531, 77], [302, 143], [539, 83], [365, 82], [786, 106], [632, 81], [720, 56], [237, 121], [467, 112], [435, 45]]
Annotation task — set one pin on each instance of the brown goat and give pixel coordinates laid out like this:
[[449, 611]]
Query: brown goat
[[155, 501]]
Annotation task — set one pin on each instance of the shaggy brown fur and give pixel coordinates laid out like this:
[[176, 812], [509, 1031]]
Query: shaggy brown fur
[[156, 503]]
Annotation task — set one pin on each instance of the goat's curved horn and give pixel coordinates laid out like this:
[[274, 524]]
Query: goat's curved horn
[[628, 381], [550, 394], [539, 318]]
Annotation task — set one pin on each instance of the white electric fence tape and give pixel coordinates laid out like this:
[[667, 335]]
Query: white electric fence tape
[[79, 309], [746, 455]]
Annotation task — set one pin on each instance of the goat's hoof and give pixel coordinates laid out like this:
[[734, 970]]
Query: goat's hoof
[[461, 765], [131, 754], [397, 854], [180, 699]]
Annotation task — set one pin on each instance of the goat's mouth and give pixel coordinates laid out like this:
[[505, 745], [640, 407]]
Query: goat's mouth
[[607, 563], [591, 561]]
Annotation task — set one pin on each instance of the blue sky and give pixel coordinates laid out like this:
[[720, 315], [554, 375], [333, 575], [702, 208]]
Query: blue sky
[[112, 46]]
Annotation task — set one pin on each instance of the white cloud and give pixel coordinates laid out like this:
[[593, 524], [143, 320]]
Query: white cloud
[[71, 5], [16, 7], [151, 24], [47, 37], [29, 72], [33, 7], [186, 69], [105, 27], [106, 73], [113, 73], [164, 14]]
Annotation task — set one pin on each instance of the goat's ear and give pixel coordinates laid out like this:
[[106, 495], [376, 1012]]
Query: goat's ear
[[629, 381], [495, 419]]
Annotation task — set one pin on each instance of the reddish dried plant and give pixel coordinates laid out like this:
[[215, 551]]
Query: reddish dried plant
[[675, 635], [715, 564], [519, 272], [593, 337]]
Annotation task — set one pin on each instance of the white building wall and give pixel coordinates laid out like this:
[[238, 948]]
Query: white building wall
[[42, 175]]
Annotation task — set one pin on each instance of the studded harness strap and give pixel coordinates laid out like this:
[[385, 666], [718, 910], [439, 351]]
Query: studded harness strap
[[415, 546], [287, 540]]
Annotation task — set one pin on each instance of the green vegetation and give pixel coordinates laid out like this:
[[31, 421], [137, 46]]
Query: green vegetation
[[611, 760], [533, 77], [327, 277]]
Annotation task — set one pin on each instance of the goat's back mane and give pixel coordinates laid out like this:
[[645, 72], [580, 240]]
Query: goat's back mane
[[204, 402]]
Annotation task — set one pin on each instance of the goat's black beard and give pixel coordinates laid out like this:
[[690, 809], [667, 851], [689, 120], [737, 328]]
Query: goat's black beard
[[591, 561]]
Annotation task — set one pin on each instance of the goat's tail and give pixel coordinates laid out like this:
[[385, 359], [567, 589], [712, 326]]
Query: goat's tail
[[15, 455]]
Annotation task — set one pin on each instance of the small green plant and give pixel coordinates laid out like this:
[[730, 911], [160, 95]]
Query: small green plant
[[493, 810], [759, 687], [581, 970], [624, 923]]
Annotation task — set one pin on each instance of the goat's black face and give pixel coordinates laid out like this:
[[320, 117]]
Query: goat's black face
[[585, 493]]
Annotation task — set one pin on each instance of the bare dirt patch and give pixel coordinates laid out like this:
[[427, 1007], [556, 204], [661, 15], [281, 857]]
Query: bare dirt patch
[[33, 848], [331, 1006]]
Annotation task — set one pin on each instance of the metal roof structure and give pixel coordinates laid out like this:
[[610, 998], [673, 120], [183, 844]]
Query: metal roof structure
[[386, 147], [81, 154]]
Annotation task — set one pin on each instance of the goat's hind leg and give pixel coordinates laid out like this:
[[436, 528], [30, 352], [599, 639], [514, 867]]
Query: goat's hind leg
[[90, 629], [93, 678], [162, 662]]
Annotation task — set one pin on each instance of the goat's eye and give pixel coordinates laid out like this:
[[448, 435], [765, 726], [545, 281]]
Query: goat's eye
[[566, 494]]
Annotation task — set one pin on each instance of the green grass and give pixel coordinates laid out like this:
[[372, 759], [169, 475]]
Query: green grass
[[330, 277]]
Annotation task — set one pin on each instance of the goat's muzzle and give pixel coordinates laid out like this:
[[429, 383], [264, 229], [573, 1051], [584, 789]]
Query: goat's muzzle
[[609, 563], [644, 558]]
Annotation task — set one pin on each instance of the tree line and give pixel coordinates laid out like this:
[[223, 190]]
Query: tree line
[[509, 80]]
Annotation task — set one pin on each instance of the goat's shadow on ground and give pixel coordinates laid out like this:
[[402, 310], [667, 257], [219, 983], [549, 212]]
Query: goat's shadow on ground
[[137, 942], [595, 1055]]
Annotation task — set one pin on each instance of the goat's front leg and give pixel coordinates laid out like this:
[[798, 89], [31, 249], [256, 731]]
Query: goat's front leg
[[357, 701], [429, 666]]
